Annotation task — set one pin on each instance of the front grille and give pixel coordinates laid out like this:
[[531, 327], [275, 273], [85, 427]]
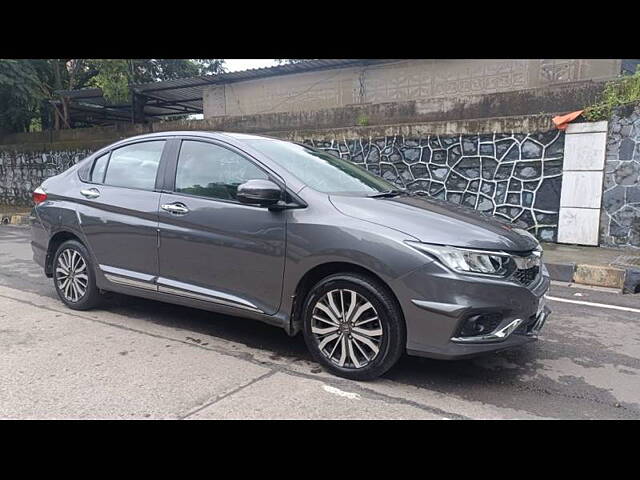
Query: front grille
[[526, 276]]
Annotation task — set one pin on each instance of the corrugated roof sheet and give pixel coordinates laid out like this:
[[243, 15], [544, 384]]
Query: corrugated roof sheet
[[168, 96], [250, 74]]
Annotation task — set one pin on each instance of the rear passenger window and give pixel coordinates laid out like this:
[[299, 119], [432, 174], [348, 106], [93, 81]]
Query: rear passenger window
[[135, 166], [208, 170], [99, 167]]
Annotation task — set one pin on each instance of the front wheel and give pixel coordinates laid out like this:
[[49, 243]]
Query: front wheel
[[353, 327]]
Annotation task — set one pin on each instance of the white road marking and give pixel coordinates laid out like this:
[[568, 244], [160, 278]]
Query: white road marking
[[341, 393], [593, 304]]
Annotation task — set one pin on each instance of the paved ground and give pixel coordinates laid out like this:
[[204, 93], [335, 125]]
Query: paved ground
[[620, 257], [142, 359]]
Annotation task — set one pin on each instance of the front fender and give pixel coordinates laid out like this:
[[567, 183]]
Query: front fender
[[313, 242]]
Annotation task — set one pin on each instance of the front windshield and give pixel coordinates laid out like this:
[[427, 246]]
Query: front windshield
[[319, 170]]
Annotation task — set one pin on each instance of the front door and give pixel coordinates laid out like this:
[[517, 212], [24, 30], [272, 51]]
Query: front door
[[212, 247]]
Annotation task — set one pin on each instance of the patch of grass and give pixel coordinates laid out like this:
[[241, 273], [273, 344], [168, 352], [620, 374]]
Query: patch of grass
[[362, 120], [621, 91]]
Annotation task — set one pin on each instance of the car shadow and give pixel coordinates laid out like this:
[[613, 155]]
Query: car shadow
[[506, 366], [249, 332]]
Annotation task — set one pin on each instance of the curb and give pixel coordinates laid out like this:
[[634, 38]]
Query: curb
[[626, 280], [14, 219]]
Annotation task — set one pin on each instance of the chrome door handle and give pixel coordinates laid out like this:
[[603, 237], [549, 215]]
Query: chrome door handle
[[90, 192], [175, 208]]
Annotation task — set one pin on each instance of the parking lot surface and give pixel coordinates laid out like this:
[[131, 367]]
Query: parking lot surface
[[138, 359]]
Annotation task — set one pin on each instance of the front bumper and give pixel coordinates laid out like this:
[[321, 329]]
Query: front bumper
[[436, 302]]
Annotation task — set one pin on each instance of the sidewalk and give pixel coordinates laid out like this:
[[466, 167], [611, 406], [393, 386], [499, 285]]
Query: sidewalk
[[14, 215], [597, 266]]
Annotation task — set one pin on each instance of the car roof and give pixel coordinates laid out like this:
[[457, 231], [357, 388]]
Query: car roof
[[200, 133], [245, 136]]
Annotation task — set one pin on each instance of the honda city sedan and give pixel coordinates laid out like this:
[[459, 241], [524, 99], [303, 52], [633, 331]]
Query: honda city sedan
[[284, 233]]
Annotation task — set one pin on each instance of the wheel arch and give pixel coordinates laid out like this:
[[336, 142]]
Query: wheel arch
[[323, 270], [54, 242]]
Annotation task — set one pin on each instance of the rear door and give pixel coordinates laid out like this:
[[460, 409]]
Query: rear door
[[212, 247], [119, 212]]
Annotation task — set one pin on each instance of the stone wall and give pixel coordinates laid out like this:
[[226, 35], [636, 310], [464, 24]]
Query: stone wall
[[620, 218], [515, 176], [22, 172]]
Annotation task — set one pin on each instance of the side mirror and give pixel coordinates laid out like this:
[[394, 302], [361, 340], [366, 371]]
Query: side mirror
[[259, 192]]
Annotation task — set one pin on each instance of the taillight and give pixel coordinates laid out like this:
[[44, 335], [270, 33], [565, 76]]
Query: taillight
[[39, 195]]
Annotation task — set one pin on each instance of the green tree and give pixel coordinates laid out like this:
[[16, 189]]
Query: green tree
[[28, 87], [114, 76], [20, 94]]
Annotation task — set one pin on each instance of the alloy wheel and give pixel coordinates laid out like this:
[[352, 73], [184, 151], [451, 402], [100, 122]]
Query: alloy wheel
[[71, 275], [347, 329]]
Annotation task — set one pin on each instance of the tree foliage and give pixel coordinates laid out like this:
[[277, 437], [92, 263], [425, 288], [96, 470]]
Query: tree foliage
[[114, 75], [27, 87], [20, 94], [113, 78]]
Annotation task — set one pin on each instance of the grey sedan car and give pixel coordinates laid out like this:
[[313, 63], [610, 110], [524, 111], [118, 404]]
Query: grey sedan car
[[289, 235]]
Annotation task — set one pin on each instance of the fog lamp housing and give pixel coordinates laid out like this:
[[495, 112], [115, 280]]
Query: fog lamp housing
[[480, 324]]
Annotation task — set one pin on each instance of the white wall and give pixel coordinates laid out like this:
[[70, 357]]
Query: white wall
[[582, 177]]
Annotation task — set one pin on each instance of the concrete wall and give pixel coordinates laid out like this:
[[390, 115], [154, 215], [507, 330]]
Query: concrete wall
[[398, 81], [505, 166], [524, 184], [549, 100]]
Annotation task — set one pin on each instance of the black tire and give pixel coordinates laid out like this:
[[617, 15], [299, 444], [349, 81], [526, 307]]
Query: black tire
[[392, 343], [91, 297]]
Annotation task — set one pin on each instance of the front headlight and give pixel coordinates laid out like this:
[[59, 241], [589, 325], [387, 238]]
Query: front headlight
[[466, 260]]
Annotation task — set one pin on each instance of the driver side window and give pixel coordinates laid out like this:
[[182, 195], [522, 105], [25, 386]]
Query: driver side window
[[208, 170]]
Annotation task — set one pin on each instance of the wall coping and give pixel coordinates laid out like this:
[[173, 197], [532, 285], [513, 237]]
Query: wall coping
[[515, 124], [474, 113], [519, 124], [588, 127]]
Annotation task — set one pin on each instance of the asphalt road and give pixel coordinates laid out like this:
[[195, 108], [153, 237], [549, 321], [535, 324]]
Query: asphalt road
[[135, 358]]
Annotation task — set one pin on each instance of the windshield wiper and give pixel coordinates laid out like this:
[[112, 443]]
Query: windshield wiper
[[387, 194]]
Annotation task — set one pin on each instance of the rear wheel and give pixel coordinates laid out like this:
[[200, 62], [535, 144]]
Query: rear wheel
[[74, 277], [353, 327]]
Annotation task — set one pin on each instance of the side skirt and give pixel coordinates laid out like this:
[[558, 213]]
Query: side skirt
[[146, 286]]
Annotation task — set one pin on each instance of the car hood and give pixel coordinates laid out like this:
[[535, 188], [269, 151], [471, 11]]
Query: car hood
[[436, 221]]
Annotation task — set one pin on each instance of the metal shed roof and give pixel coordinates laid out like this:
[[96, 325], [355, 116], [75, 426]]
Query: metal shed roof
[[183, 95]]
